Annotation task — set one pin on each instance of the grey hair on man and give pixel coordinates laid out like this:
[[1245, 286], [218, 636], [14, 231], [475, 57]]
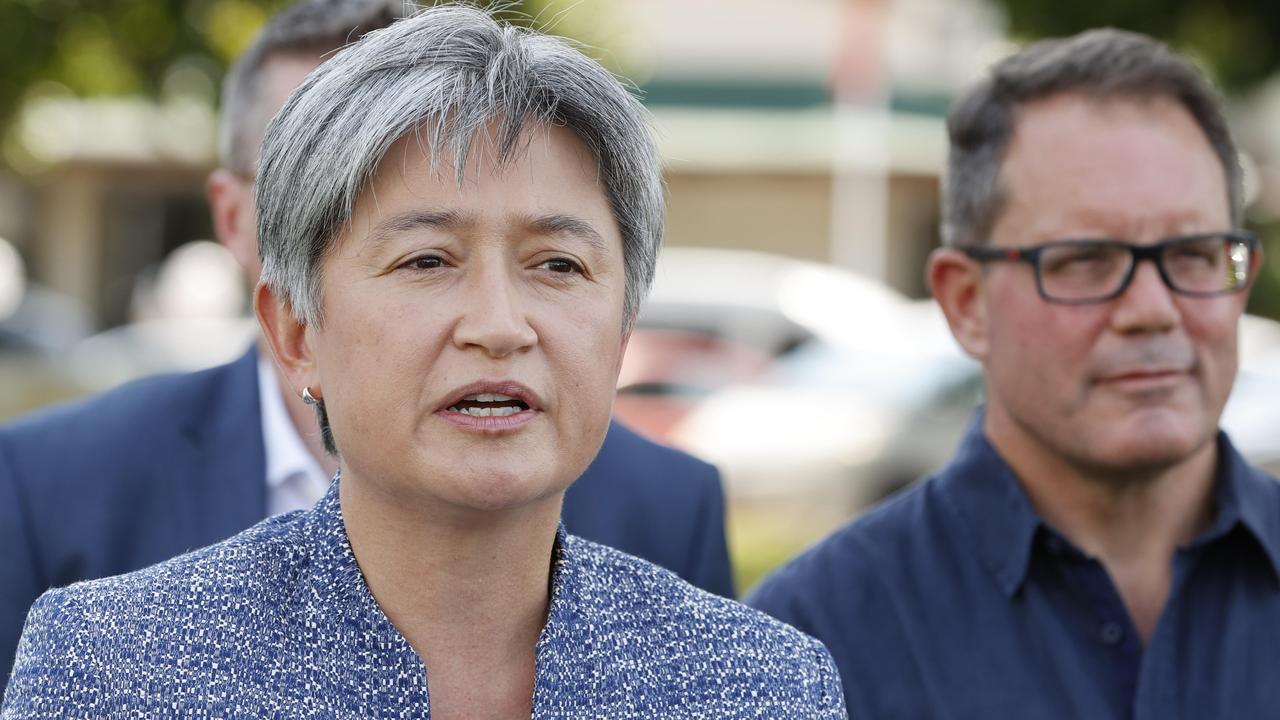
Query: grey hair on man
[[1102, 64], [444, 74], [309, 27]]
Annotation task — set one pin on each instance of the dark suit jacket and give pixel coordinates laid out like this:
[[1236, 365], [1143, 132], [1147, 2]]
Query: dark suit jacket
[[172, 463]]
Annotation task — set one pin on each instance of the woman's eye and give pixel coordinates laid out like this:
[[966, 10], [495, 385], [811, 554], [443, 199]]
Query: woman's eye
[[561, 265], [427, 262]]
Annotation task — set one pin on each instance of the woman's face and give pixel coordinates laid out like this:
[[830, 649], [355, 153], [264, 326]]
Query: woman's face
[[472, 332]]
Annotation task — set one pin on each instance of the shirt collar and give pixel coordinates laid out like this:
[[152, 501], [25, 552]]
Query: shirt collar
[[990, 507], [286, 454], [995, 514], [1247, 498]]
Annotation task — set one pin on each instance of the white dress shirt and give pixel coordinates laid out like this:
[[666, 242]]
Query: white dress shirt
[[295, 480]]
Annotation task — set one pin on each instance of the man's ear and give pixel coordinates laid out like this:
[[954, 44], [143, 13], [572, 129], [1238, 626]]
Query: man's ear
[[955, 280], [289, 340], [234, 220]]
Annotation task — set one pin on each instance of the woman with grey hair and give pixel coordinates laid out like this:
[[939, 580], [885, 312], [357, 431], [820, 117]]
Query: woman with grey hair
[[458, 221]]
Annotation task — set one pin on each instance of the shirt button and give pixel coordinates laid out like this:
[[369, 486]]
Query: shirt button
[[1055, 545], [1111, 633]]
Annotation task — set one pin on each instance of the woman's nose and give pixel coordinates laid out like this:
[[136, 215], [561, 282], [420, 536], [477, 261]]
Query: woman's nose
[[494, 316]]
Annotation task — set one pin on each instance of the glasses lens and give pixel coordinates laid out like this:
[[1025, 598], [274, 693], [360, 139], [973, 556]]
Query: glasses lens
[[1208, 265], [1081, 271]]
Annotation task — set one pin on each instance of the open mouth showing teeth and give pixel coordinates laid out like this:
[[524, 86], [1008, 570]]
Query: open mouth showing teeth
[[489, 405]]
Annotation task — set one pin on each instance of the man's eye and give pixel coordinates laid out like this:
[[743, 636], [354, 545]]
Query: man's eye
[[1077, 259], [1194, 251], [561, 265]]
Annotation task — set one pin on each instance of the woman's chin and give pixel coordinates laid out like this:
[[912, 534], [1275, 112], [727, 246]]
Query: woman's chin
[[496, 491]]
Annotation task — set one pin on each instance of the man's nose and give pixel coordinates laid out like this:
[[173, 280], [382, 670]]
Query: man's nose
[[1147, 304]]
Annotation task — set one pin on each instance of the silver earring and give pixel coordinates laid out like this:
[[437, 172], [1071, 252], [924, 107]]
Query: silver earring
[[307, 397]]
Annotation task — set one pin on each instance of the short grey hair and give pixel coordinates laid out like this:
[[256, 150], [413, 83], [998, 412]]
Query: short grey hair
[[445, 74], [1100, 64], [314, 27]]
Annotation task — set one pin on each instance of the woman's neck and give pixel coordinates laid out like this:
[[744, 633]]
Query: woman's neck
[[469, 590]]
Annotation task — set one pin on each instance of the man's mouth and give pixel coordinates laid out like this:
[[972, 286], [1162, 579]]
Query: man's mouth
[[489, 405], [1140, 374]]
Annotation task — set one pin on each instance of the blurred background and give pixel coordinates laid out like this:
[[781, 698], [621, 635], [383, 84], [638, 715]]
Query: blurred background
[[788, 339]]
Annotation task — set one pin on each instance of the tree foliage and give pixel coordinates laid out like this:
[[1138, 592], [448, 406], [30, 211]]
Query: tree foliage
[[115, 47], [137, 47], [1234, 39]]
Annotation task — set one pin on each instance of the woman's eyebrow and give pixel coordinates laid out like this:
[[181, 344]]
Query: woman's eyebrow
[[388, 228], [568, 225]]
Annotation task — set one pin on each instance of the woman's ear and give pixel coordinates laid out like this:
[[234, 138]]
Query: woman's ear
[[289, 339], [627, 329], [955, 280]]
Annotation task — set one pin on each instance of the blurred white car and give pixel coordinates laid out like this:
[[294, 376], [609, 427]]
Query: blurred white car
[[804, 380], [1252, 415], [846, 425], [792, 376], [720, 318]]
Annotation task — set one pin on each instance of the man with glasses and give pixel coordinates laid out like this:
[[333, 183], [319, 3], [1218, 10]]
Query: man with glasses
[[1096, 548]]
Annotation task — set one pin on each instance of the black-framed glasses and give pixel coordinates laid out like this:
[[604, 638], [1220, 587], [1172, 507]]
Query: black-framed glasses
[[1078, 272]]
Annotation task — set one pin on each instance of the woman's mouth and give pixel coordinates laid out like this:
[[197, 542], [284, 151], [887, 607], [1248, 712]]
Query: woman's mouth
[[489, 405]]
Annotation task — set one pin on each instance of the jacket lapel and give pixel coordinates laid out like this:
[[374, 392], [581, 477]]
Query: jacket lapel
[[221, 486]]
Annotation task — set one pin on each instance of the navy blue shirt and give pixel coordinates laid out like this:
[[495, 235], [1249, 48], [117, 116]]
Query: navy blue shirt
[[956, 600]]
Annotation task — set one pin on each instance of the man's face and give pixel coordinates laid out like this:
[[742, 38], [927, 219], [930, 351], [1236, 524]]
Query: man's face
[[231, 194], [1137, 382], [281, 73]]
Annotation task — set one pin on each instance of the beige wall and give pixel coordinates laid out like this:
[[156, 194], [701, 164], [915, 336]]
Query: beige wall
[[789, 214], [914, 211], [97, 224]]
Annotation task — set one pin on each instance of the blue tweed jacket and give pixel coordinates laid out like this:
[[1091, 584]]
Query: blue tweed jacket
[[278, 622]]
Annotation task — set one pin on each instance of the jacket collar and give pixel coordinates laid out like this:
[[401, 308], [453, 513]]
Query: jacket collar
[[334, 594]]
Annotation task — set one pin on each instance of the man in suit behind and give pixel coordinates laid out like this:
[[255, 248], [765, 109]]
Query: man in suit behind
[[168, 464]]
